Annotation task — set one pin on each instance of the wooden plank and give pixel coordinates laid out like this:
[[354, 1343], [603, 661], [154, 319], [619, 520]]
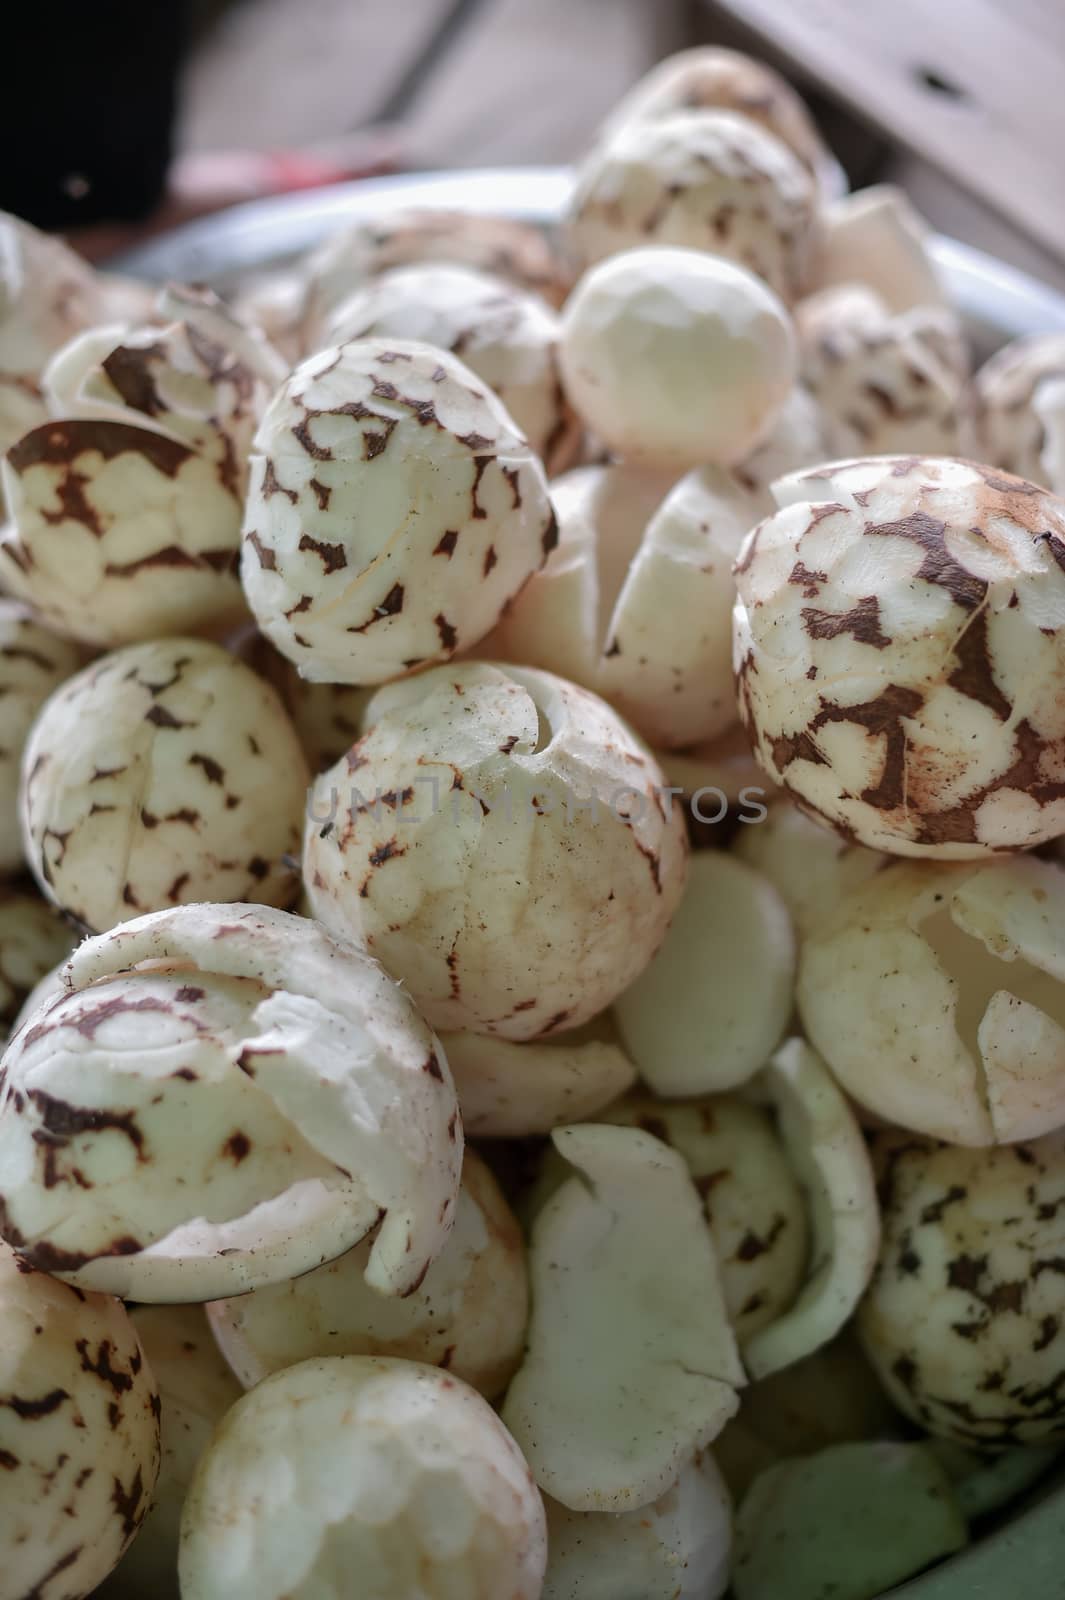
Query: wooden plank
[[974, 86], [277, 74], [534, 78]]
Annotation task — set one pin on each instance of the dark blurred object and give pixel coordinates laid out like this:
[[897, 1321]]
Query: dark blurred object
[[88, 108]]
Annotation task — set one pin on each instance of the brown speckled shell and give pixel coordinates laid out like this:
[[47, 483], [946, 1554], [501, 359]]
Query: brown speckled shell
[[899, 642], [965, 1318], [703, 180], [79, 1435]]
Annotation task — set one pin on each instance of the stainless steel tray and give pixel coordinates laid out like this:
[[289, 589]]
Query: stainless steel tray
[[997, 301], [1025, 1556]]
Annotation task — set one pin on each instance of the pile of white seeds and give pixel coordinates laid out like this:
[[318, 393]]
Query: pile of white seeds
[[533, 920]]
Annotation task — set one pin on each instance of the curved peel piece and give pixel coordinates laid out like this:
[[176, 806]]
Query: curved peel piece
[[715, 1000], [830, 1158], [236, 1098], [631, 1363], [509, 1090]]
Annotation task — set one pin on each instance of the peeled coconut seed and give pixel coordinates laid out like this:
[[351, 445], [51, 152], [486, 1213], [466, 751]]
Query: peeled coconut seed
[[47, 295], [560, 621], [666, 662], [394, 510], [196, 1389], [702, 179], [351, 257], [962, 1321], [898, 641], [708, 77], [829, 1156], [388, 1469], [501, 842], [1008, 394], [33, 663], [119, 533], [236, 1098], [509, 1090], [194, 373], [676, 1549], [709, 1010], [631, 1363], [505, 335], [79, 1434], [166, 772], [126, 508], [468, 1314], [33, 940], [676, 358], [883, 387]]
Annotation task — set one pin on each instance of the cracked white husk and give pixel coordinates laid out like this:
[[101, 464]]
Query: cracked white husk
[[709, 78], [510, 1090], [406, 1476], [676, 358], [498, 840], [1018, 406], [47, 295], [196, 1389], [899, 639], [195, 373], [754, 1204], [635, 601], [887, 383], [79, 1434], [126, 508], [714, 1002], [33, 941], [394, 510], [33, 663], [517, 251], [467, 1316], [223, 1097], [506, 336], [706, 180], [119, 533], [963, 1318], [164, 773], [937, 996], [631, 1363]]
